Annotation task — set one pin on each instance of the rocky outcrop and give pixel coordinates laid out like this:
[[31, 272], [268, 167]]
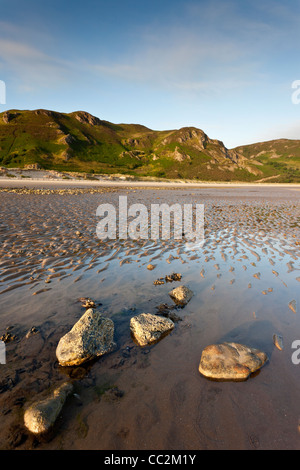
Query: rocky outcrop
[[90, 337], [230, 361], [148, 329], [42, 415], [33, 166], [189, 136], [87, 118], [7, 117], [181, 295], [180, 156], [66, 154], [137, 154], [67, 139], [47, 112]]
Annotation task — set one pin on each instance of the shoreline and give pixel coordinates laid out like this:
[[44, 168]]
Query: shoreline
[[38, 178], [6, 182]]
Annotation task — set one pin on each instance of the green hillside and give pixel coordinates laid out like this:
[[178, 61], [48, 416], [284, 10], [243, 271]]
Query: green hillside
[[279, 160], [81, 142]]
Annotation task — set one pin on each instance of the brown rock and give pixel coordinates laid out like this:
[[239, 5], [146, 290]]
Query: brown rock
[[90, 337], [41, 415], [181, 295], [147, 328], [230, 361], [150, 267]]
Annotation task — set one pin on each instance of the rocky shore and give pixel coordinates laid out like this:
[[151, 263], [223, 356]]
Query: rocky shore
[[93, 336]]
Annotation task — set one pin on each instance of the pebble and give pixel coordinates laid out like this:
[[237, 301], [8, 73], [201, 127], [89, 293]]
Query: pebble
[[278, 341]]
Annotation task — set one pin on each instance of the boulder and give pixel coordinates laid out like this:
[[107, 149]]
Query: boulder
[[181, 295], [230, 361], [41, 415], [147, 328], [91, 336]]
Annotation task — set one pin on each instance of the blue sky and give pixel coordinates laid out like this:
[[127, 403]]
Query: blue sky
[[224, 67]]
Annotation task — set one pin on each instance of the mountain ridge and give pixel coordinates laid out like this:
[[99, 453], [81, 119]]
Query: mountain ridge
[[79, 141]]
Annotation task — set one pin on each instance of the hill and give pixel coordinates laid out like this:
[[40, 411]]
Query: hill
[[279, 160], [79, 141]]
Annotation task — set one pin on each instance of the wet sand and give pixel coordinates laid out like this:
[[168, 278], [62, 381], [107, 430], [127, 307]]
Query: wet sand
[[245, 281]]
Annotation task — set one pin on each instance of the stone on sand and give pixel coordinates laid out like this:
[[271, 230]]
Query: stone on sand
[[278, 341], [147, 328], [230, 361], [41, 415], [91, 336], [150, 267], [181, 295]]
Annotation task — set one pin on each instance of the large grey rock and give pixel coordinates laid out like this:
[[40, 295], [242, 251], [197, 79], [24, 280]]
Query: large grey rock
[[41, 415], [230, 361], [147, 328], [181, 295], [91, 336]]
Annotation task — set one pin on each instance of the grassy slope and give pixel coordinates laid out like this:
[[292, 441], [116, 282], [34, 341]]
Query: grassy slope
[[279, 159]]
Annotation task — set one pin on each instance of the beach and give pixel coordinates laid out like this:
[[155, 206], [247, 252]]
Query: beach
[[245, 283]]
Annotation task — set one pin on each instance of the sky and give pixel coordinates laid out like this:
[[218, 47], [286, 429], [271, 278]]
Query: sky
[[226, 67]]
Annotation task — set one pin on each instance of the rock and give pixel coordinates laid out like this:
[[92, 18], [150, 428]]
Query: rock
[[180, 156], [33, 331], [87, 303], [48, 113], [33, 166], [7, 336], [173, 277], [150, 267], [166, 310], [7, 117], [293, 305], [68, 139], [147, 328], [41, 416], [278, 341], [86, 118], [181, 295], [230, 361], [90, 337], [169, 278]]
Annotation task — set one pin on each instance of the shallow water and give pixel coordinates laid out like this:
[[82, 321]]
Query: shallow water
[[245, 279]]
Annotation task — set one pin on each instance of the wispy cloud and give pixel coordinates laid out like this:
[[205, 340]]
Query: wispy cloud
[[30, 66], [215, 45], [184, 59]]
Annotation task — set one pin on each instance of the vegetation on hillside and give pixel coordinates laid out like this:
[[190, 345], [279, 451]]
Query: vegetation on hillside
[[83, 143]]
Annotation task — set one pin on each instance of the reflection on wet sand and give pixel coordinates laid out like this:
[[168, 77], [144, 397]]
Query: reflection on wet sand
[[245, 283]]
